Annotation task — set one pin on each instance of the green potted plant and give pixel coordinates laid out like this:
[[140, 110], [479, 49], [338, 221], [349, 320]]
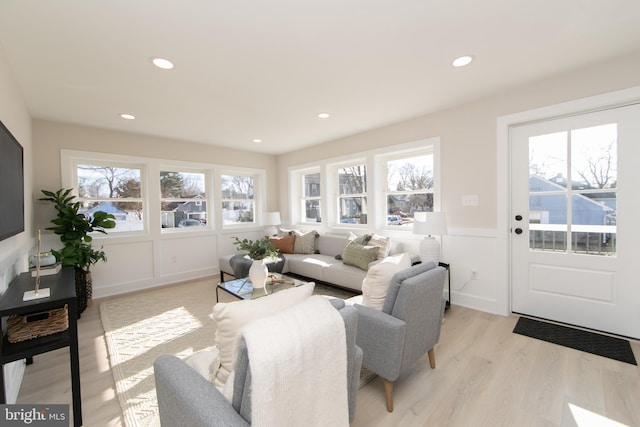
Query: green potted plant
[[258, 250], [74, 229]]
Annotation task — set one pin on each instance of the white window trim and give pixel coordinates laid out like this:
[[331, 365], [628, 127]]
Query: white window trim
[[69, 161], [150, 182], [259, 196]]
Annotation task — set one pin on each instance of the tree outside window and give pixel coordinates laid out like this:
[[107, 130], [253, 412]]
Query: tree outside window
[[112, 189], [352, 194], [410, 186], [238, 203]]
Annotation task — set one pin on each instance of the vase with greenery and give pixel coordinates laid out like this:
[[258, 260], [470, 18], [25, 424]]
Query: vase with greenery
[[74, 229], [258, 250]]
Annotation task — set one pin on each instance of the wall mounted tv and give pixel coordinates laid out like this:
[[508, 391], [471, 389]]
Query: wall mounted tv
[[11, 185]]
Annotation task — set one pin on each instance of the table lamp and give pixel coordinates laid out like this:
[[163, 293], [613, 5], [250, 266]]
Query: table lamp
[[429, 224], [271, 219]]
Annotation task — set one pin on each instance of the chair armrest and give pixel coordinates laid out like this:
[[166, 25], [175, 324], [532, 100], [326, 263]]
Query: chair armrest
[[381, 338], [185, 398]]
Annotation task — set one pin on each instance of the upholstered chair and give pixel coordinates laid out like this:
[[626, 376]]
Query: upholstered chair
[[408, 326], [186, 398]]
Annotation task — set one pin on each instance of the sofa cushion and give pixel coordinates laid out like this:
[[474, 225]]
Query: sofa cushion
[[376, 283], [359, 255], [285, 244], [230, 317]]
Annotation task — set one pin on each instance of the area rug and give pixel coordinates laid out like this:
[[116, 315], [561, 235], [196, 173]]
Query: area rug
[[139, 328], [590, 342]]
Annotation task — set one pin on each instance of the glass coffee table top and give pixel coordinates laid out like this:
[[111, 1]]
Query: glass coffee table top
[[243, 289]]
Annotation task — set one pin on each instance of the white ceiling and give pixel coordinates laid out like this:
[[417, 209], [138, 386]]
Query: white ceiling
[[265, 69]]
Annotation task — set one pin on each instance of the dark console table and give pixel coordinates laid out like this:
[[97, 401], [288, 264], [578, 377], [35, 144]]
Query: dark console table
[[63, 293]]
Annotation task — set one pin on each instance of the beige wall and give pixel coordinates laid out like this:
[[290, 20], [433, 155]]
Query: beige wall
[[468, 136]]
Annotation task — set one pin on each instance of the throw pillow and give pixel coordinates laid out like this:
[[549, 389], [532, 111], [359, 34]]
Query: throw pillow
[[359, 255], [363, 240], [305, 242], [284, 244], [384, 243], [230, 317], [376, 283]]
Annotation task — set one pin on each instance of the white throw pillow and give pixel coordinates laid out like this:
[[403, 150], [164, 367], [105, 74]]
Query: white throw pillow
[[232, 316], [376, 283], [384, 243]]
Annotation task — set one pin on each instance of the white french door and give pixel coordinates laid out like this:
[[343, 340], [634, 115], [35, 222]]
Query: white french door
[[575, 220]]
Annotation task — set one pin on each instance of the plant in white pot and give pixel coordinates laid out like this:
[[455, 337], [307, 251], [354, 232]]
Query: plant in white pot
[[258, 250]]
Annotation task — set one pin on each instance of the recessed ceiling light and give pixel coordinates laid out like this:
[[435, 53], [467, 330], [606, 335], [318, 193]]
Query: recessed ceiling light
[[257, 141], [323, 115], [165, 64], [462, 61], [127, 116]]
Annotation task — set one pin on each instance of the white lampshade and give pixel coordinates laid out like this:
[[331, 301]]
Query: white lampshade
[[271, 218], [428, 224]]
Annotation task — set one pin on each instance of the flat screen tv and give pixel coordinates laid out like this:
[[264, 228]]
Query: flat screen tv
[[11, 185]]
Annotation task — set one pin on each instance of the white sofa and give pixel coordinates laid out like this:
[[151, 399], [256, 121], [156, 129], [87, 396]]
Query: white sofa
[[323, 265]]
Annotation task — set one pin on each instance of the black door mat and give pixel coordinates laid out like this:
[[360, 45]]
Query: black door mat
[[590, 342]]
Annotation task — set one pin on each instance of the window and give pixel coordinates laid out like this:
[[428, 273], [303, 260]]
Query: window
[[352, 194], [311, 197], [238, 203], [115, 189], [183, 199], [409, 188]]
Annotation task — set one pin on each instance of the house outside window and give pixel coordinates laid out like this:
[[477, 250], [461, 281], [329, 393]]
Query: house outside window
[[311, 198], [352, 194], [238, 201], [409, 187], [183, 201], [115, 189]]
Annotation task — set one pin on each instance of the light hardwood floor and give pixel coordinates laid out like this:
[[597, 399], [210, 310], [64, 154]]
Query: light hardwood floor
[[485, 376]]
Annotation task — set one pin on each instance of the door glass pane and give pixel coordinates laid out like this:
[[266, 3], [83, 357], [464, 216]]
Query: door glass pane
[[594, 156], [548, 162], [594, 169], [548, 222]]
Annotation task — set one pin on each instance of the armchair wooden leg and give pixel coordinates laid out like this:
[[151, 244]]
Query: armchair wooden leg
[[388, 391], [432, 359]]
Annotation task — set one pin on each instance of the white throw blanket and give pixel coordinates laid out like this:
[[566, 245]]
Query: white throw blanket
[[298, 361]]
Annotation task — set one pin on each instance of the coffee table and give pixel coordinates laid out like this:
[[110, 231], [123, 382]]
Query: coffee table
[[244, 290]]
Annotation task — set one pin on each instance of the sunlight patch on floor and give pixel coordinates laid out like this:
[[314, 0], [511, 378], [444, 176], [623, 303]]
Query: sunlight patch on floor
[[586, 418]]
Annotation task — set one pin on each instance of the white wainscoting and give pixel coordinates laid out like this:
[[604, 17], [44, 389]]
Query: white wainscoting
[[138, 265], [467, 250]]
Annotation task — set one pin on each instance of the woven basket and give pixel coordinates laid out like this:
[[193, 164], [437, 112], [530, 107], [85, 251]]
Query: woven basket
[[35, 325]]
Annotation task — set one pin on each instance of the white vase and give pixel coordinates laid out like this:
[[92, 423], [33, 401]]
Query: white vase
[[258, 273]]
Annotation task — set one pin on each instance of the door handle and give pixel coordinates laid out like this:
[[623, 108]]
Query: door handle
[[518, 230]]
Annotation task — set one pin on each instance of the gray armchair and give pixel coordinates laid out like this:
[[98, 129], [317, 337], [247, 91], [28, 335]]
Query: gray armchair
[[185, 398], [407, 327]]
